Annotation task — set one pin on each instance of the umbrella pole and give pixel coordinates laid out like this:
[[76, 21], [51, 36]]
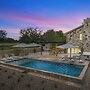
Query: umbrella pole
[[70, 53]]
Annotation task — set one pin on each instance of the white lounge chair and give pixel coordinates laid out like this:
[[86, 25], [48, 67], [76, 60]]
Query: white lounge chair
[[9, 57], [81, 61], [5, 59], [72, 60]]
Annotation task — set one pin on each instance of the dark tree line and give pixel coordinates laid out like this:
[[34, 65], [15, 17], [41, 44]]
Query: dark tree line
[[35, 35], [4, 39], [30, 35]]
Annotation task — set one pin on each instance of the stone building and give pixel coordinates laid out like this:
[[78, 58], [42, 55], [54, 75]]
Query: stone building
[[80, 36]]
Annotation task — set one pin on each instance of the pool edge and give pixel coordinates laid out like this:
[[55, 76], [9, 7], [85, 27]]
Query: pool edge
[[51, 74]]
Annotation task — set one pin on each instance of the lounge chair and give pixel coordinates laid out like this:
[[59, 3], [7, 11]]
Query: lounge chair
[[65, 58], [81, 61], [72, 60], [76, 56], [9, 57], [5, 59], [14, 57]]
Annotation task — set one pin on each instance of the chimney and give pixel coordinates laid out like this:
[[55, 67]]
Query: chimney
[[87, 21]]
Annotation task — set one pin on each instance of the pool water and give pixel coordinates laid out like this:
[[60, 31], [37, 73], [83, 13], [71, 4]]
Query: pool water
[[56, 67]]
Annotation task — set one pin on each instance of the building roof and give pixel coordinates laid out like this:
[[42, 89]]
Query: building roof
[[75, 29]]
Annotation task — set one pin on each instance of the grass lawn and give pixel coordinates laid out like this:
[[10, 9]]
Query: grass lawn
[[6, 46]]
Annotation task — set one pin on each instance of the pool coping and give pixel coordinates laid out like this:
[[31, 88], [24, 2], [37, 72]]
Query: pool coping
[[51, 74]]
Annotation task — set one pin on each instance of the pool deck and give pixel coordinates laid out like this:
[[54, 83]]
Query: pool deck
[[48, 57], [60, 84]]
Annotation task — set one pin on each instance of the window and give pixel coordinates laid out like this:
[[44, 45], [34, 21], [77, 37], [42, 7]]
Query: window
[[81, 37]]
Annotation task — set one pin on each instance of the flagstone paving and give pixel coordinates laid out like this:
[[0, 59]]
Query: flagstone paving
[[15, 79]]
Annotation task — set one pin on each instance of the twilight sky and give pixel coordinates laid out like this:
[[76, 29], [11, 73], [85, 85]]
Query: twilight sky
[[46, 14]]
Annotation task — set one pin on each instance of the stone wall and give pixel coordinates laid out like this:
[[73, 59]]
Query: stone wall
[[73, 36]]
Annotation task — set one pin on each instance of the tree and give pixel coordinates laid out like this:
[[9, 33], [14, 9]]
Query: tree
[[10, 40], [3, 34], [30, 35], [4, 39], [49, 36], [60, 37], [35, 35], [54, 36]]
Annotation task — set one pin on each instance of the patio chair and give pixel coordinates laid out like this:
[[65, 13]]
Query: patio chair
[[82, 57], [4, 59], [81, 61], [76, 56], [14, 56], [72, 60], [8, 57], [65, 58]]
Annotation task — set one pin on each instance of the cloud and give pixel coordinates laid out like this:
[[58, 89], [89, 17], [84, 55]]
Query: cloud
[[42, 20], [10, 30], [64, 23]]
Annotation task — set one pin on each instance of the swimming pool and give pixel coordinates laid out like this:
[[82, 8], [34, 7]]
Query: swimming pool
[[55, 67]]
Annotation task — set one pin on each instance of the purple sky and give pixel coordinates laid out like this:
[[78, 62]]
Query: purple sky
[[46, 14]]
